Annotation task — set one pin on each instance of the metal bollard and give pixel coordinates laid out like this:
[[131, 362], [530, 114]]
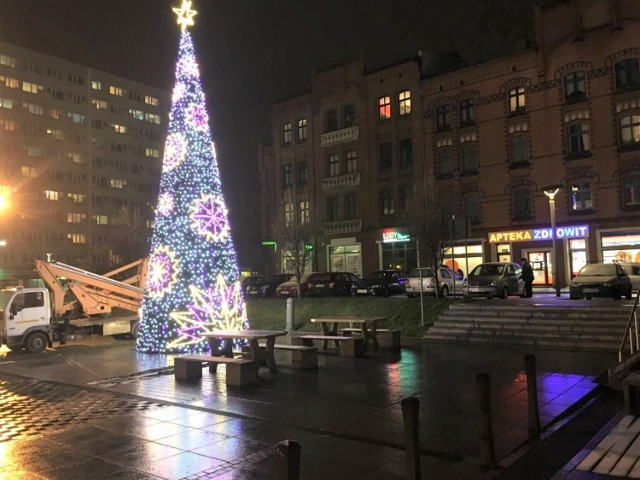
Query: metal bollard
[[410, 413], [487, 450], [290, 451], [532, 394], [289, 327]]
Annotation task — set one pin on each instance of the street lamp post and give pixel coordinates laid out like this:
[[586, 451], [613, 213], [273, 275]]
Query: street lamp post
[[551, 192]]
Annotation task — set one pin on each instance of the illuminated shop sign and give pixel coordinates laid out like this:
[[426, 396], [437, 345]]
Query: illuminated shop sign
[[389, 236], [575, 231]]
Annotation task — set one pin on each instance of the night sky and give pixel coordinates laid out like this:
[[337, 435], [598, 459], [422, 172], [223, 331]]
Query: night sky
[[254, 52]]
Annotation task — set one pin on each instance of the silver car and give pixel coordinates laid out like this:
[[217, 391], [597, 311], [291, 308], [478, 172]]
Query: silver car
[[449, 281], [494, 279]]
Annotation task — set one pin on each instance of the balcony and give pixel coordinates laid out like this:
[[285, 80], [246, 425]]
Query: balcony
[[347, 180], [339, 136], [344, 226]]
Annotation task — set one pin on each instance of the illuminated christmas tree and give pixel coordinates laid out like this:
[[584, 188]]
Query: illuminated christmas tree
[[192, 284]]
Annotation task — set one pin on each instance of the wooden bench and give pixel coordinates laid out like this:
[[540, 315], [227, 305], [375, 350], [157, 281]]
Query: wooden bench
[[188, 368], [349, 346], [302, 357], [387, 337]]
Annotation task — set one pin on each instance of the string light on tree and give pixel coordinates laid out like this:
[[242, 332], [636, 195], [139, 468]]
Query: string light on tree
[[193, 279]]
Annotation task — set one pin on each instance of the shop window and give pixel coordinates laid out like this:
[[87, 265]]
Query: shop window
[[517, 101], [386, 202], [404, 102], [349, 116], [471, 206], [334, 165], [287, 175], [444, 162], [302, 129], [581, 196], [518, 150], [468, 159], [578, 144], [631, 190], [467, 113], [351, 162], [286, 134], [521, 203], [333, 209], [303, 174], [384, 108], [384, 156], [443, 118], [630, 132], [575, 87], [405, 153], [332, 120], [627, 75], [351, 205]]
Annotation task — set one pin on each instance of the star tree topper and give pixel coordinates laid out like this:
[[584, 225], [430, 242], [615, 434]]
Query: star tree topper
[[185, 15]]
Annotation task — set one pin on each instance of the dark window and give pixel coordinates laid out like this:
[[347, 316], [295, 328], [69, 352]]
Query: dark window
[[471, 205], [302, 129], [334, 165], [468, 159], [332, 209], [287, 175], [405, 153], [575, 87], [519, 150], [303, 174], [286, 134], [578, 140], [384, 156], [349, 116], [351, 205], [332, 120], [581, 196], [405, 194], [444, 162], [627, 75], [351, 162], [467, 113], [631, 190], [521, 203], [443, 118], [386, 202]]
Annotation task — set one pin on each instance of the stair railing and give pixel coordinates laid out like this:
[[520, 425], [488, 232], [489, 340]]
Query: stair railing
[[631, 332]]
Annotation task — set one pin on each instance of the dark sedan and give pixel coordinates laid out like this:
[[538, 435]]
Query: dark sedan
[[601, 280], [331, 284], [381, 283], [266, 287]]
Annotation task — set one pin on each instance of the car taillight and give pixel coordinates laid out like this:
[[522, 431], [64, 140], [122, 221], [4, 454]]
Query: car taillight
[[309, 285]]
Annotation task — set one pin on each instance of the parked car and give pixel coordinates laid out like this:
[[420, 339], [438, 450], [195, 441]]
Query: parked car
[[290, 287], [381, 282], [494, 279], [249, 280], [267, 286], [633, 270], [331, 284], [601, 280], [448, 280]]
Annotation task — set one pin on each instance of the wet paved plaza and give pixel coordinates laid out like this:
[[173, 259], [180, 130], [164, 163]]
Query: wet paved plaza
[[98, 409]]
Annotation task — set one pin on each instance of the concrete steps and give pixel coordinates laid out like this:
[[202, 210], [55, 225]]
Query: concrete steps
[[592, 328]]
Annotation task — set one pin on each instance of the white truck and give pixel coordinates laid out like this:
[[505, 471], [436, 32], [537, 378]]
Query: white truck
[[32, 318]]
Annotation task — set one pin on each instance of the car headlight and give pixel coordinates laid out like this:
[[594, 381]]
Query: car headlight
[[607, 284], [494, 283], [376, 285]]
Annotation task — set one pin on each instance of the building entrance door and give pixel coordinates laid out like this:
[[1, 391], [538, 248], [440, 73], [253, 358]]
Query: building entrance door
[[541, 264]]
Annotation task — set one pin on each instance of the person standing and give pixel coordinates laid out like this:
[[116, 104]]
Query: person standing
[[527, 276]]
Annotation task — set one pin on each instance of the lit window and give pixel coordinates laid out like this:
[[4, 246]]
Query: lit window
[[302, 129], [6, 103], [28, 172], [152, 117], [581, 195], [517, 102], [384, 108], [631, 189], [152, 152], [95, 85], [57, 134], [304, 212], [404, 103], [77, 118], [630, 131], [117, 91], [117, 183], [34, 109], [288, 214], [10, 82], [351, 162], [76, 197], [76, 158], [76, 217], [77, 237], [31, 87], [101, 219], [286, 133], [99, 104], [8, 61], [149, 100], [137, 114], [120, 128], [52, 195]]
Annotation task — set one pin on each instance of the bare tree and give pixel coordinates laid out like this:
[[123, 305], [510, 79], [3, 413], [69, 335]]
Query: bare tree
[[295, 233], [129, 236], [429, 216]]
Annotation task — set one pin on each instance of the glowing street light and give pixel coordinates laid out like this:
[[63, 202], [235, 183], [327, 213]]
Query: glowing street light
[[551, 192]]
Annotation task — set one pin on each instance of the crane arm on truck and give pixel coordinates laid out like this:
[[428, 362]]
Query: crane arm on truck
[[96, 294]]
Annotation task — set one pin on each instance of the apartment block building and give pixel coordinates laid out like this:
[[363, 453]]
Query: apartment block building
[[562, 116], [80, 160]]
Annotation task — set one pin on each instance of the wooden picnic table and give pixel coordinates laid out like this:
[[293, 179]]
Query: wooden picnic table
[[367, 326], [222, 341]]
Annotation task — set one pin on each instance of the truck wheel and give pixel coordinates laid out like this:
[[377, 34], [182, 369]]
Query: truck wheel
[[135, 327], [36, 342]]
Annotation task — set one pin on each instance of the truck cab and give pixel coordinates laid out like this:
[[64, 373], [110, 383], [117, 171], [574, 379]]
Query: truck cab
[[25, 318]]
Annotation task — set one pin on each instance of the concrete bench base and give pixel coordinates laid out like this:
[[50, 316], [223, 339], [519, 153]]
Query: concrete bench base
[[349, 346], [387, 338], [302, 357], [188, 368]]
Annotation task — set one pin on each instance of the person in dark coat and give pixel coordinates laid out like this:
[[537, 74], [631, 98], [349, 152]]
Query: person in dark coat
[[527, 276]]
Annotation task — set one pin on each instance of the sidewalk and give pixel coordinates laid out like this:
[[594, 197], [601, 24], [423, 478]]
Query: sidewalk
[[125, 417]]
